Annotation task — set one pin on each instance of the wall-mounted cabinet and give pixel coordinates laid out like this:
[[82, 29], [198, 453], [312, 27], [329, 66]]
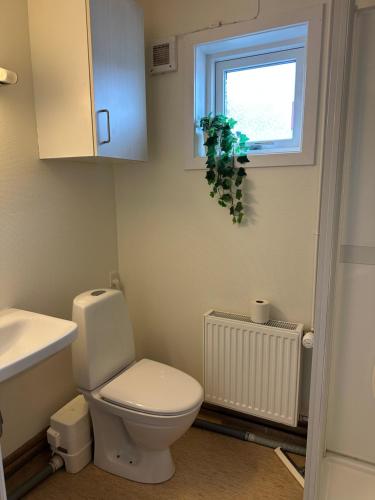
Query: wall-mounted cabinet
[[89, 78]]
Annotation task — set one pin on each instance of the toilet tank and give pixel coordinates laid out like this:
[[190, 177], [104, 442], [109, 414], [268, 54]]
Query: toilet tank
[[105, 343]]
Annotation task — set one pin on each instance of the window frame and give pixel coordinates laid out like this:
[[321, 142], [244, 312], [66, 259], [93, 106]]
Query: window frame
[[197, 52], [282, 56]]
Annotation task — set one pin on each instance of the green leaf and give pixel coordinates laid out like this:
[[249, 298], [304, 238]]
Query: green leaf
[[211, 141], [218, 121], [239, 207], [229, 172], [226, 198], [211, 163], [243, 159], [241, 172], [238, 194], [204, 123], [210, 176], [242, 138], [227, 183], [239, 218]]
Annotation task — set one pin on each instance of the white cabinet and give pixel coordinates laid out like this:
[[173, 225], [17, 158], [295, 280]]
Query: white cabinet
[[89, 78]]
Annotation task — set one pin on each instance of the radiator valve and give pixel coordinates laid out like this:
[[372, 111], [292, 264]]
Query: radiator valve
[[308, 340]]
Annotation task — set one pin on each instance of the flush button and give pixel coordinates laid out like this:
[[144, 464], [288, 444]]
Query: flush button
[[97, 292]]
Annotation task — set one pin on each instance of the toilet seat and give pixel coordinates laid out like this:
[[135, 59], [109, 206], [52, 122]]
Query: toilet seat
[[153, 388]]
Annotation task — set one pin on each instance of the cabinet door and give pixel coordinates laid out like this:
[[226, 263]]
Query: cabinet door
[[61, 74], [118, 78]]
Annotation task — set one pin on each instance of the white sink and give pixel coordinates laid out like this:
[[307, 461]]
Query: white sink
[[26, 338]]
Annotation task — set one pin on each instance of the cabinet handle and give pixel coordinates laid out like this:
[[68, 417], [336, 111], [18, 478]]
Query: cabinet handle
[[108, 140]]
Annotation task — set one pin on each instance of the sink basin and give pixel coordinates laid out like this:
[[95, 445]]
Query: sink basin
[[26, 338]]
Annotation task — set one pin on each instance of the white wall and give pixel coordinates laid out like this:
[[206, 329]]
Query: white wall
[[57, 234], [179, 253]]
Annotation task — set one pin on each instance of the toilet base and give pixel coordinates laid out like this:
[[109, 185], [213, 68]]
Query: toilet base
[[150, 466], [117, 452]]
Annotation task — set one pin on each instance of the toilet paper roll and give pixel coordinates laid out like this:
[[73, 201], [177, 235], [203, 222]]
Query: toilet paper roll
[[260, 311]]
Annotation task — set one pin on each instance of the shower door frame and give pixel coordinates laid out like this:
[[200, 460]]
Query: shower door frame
[[331, 184]]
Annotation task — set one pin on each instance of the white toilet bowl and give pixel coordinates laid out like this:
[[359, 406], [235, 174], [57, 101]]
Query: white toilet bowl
[[132, 442], [138, 413]]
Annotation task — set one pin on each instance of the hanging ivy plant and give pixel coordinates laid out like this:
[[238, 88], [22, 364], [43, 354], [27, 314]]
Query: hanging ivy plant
[[223, 148]]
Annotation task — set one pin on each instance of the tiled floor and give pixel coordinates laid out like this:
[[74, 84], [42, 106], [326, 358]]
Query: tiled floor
[[208, 466]]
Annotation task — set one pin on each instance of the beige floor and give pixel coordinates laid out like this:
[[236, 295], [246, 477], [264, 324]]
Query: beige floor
[[209, 466]]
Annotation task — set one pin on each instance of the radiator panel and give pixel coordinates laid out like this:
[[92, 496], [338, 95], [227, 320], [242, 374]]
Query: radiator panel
[[251, 368]]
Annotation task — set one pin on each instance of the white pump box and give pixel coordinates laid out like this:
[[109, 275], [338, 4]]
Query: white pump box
[[69, 434]]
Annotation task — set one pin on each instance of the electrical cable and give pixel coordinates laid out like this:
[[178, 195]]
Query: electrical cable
[[220, 24]]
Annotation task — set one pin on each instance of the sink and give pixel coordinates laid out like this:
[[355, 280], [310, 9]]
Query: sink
[[26, 338]]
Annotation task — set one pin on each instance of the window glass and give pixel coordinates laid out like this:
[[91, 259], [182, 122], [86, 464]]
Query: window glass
[[262, 100]]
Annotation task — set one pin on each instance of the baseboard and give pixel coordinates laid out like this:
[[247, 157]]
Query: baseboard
[[23, 454]]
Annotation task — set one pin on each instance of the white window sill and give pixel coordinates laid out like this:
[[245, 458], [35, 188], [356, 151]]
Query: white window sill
[[258, 160]]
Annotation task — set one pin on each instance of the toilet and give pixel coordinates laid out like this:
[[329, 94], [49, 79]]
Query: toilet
[[138, 408]]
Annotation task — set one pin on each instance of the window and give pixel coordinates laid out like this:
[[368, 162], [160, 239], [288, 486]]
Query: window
[[266, 79], [264, 94]]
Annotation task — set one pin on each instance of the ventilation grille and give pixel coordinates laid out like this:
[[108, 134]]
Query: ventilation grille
[[160, 54], [239, 317], [163, 56]]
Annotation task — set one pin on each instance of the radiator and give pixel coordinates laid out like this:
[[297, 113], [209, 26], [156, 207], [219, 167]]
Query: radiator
[[252, 368]]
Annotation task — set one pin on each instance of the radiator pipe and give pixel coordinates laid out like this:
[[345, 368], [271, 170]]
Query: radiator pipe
[[249, 436], [55, 463]]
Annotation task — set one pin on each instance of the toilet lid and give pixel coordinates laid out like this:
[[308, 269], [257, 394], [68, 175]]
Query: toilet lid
[[153, 387]]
